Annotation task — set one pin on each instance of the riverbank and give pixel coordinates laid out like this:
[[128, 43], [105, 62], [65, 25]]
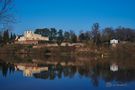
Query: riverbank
[[122, 51], [88, 50]]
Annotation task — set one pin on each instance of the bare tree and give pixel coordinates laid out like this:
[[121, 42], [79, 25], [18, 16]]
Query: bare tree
[[96, 34], [5, 9], [107, 34]]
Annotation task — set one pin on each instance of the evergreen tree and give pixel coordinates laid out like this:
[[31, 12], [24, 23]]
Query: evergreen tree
[[53, 34], [60, 37], [11, 36], [73, 37], [14, 36], [0, 37], [67, 36], [6, 37]]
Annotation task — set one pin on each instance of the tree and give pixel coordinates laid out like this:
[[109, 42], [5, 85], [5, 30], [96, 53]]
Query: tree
[[125, 34], [108, 34], [73, 37], [82, 37], [66, 36], [6, 36], [88, 35], [85, 36], [0, 37], [130, 35], [5, 8], [12, 37], [60, 37], [96, 34], [53, 34], [6, 17], [43, 32]]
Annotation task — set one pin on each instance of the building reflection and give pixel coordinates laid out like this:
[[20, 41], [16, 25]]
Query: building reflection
[[114, 67], [30, 69]]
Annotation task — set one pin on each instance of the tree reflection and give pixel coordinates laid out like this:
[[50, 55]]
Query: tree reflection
[[11, 68], [4, 69], [94, 71], [7, 67], [72, 71], [59, 69], [52, 75], [43, 75], [95, 75]]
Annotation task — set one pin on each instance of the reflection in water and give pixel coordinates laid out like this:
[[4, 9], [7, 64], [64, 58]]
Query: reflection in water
[[114, 67], [59, 69], [30, 69], [7, 68]]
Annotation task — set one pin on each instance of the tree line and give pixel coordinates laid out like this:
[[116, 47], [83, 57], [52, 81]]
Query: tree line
[[7, 37], [58, 36], [94, 35]]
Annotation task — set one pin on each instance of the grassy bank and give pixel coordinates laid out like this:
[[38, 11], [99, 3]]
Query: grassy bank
[[122, 51]]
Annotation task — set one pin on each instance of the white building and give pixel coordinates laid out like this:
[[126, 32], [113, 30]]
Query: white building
[[30, 37], [113, 42]]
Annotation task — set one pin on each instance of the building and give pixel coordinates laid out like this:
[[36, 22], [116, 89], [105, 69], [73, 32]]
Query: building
[[113, 42], [30, 38]]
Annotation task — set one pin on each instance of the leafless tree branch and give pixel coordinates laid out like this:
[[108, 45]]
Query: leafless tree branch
[[5, 6]]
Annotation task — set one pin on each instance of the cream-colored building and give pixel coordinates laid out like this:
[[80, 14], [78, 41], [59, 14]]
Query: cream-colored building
[[30, 37]]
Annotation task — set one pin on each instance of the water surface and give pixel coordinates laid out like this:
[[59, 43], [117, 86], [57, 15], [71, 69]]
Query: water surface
[[65, 75]]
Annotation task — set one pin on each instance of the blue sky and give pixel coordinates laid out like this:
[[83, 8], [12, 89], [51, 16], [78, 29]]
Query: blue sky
[[74, 15]]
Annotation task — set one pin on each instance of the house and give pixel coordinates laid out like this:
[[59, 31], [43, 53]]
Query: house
[[113, 42], [30, 38]]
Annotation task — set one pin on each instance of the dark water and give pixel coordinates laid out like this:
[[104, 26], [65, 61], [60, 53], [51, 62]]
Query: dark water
[[64, 75]]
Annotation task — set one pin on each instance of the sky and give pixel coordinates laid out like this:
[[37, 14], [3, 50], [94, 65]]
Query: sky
[[76, 15]]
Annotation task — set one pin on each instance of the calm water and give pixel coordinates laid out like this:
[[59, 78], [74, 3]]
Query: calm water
[[63, 75]]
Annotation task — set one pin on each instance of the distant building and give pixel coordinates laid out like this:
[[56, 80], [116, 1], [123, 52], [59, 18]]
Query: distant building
[[30, 38], [114, 42]]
